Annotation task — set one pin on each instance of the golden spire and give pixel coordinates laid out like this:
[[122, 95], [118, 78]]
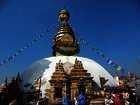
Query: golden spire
[[64, 27], [64, 15], [64, 40]]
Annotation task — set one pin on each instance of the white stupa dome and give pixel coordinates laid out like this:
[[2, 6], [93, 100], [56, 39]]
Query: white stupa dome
[[44, 68], [64, 43]]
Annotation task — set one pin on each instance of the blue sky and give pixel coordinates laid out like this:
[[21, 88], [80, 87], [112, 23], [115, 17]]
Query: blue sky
[[110, 25]]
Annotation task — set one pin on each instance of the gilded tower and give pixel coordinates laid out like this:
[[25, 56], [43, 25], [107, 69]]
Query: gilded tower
[[63, 80], [64, 40]]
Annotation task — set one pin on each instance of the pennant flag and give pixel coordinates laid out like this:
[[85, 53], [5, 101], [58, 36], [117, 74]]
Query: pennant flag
[[32, 42], [25, 47], [5, 61], [16, 54], [96, 49], [109, 61], [97, 52], [29, 45], [35, 40], [21, 50], [11, 57], [41, 35], [84, 41], [117, 67], [102, 55]]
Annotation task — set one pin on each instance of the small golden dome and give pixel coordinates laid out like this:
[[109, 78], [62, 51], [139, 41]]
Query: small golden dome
[[64, 15]]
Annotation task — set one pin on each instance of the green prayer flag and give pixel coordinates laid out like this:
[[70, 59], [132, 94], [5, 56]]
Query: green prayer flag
[[118, 67]]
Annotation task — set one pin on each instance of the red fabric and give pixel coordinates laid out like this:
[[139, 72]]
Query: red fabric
[[117, 100]]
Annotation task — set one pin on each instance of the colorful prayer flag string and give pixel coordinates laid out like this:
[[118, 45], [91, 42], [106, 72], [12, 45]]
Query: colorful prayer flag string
[[116, 66], [21, 50]]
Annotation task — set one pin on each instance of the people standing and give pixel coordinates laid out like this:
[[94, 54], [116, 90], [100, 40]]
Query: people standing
[[132, 98], [109, 100], [116, 99], [65, 100], [82, 99], [121, 100], [127, 102], [75, 101]]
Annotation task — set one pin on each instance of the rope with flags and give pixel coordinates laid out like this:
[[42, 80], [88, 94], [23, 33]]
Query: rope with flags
[[109, 61], [21, 50]]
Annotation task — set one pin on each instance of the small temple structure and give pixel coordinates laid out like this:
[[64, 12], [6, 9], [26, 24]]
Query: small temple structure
[[78, 81]]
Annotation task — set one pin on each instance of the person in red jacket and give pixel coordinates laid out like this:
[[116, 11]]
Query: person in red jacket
[[121, 100], [116, 99]]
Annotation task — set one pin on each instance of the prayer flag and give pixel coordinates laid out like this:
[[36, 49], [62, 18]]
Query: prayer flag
[[117, 67]]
